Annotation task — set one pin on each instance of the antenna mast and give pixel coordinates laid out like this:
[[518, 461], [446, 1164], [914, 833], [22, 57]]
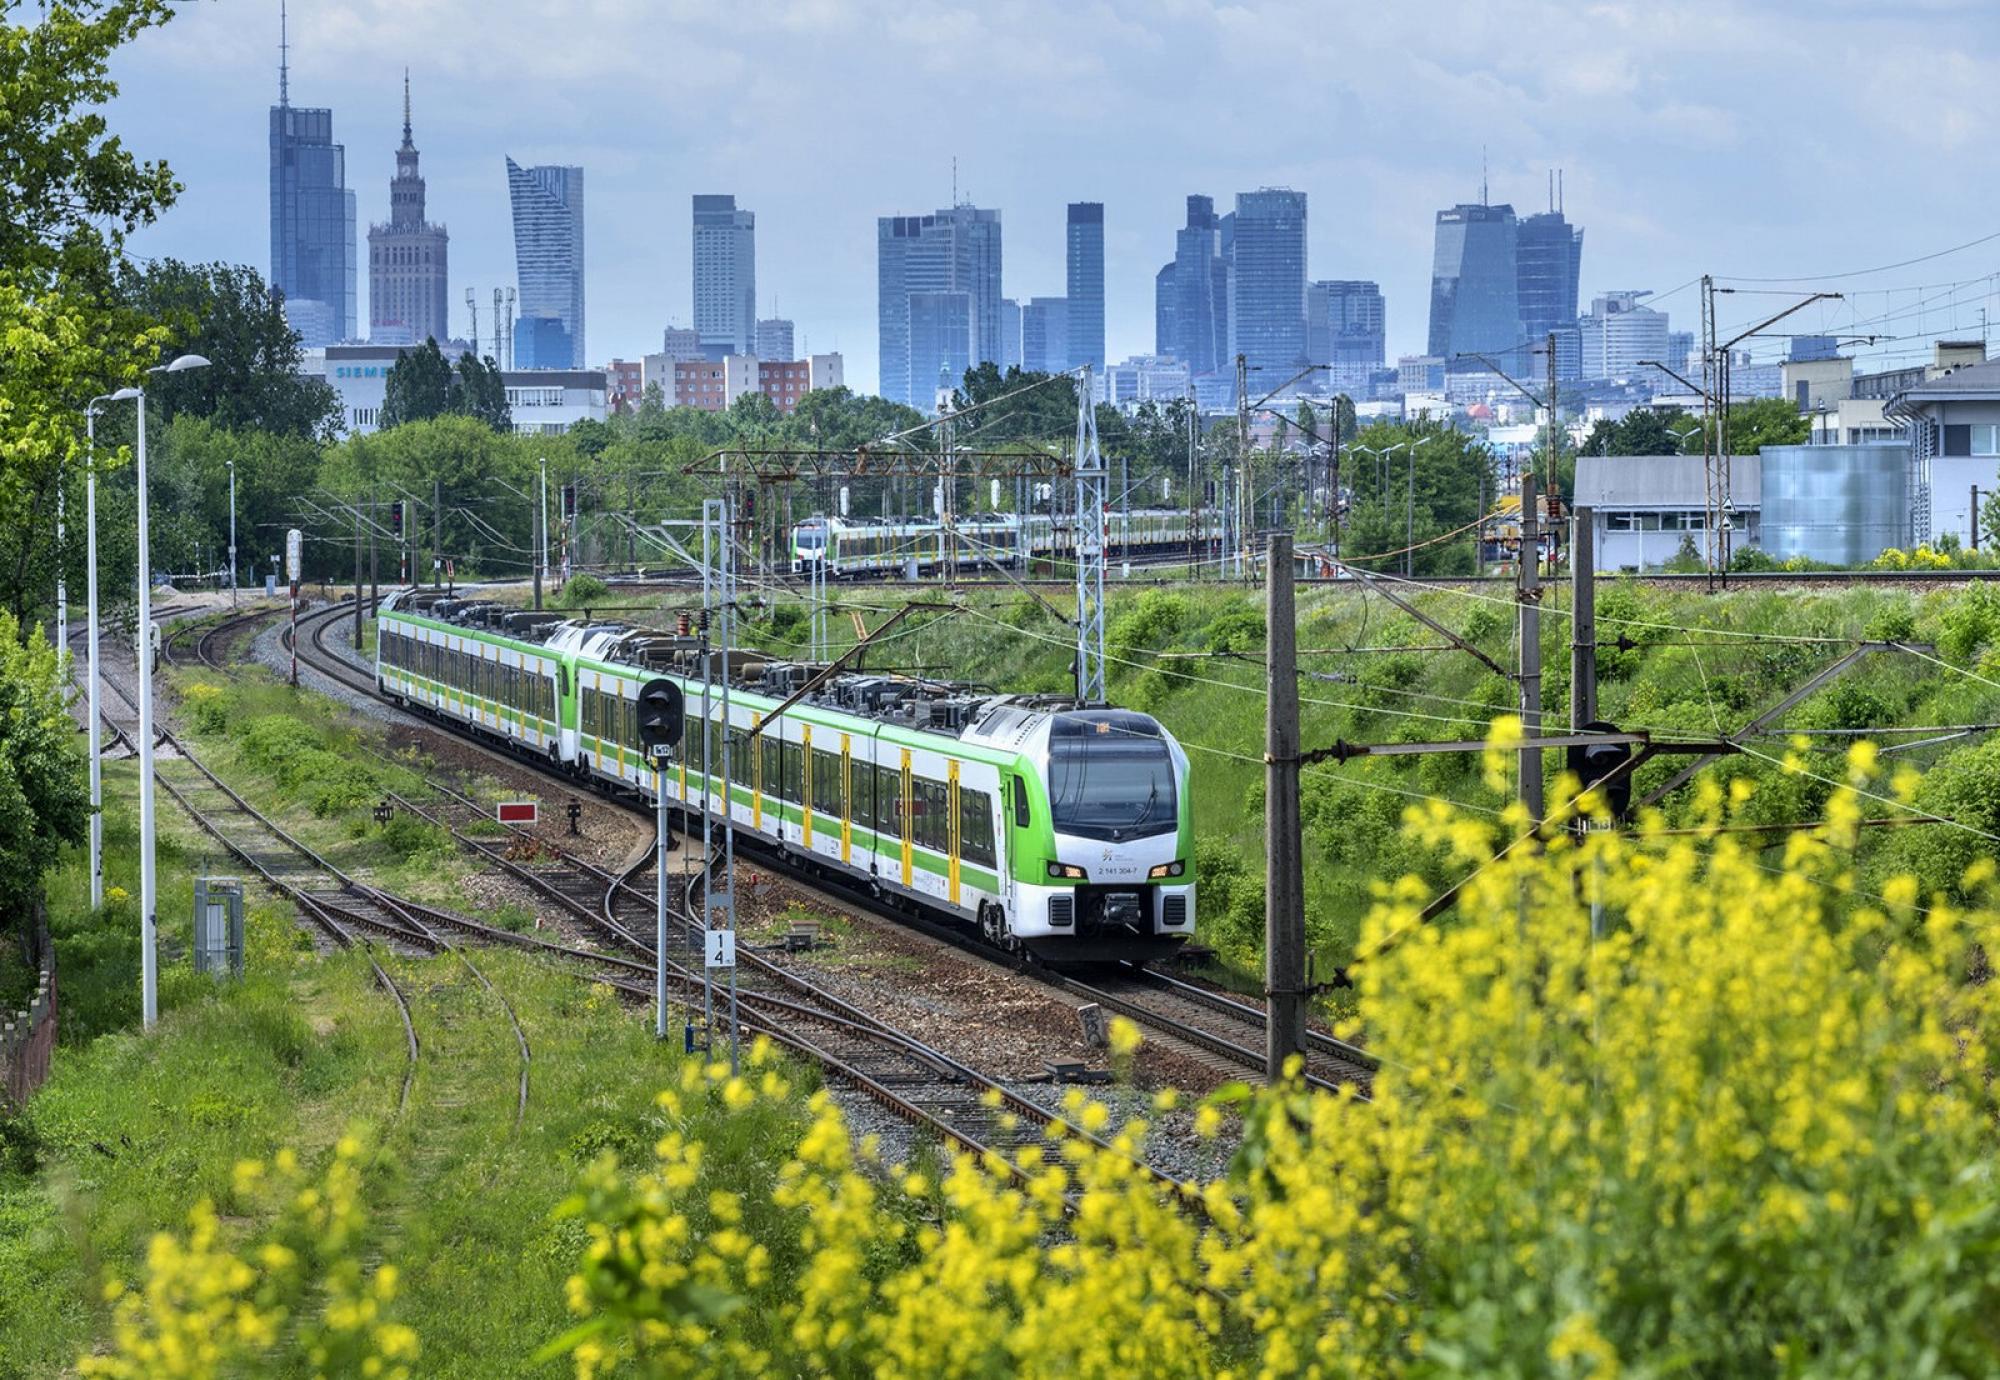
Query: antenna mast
[[284, 59]]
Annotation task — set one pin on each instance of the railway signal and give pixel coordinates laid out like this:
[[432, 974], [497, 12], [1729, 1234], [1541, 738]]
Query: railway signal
[[660, 707], [1591, 763]]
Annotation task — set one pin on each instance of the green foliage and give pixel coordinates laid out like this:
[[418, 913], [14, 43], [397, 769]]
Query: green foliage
[[1969, 625], [422, 385], [1147, 624], [582, 592], [1429, 487], [44, 798], [72, 190], [409, 837], [1646, 431], [226, 313]]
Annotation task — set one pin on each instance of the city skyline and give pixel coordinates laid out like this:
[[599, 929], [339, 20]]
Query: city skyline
[[1649, 137]]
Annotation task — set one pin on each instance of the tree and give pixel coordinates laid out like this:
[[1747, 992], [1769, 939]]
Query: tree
[[1766, 422], [480, 392], [422, 384], [227, 314], [1431, 485], [190, 483], [417, 387], [44, 799], [71, 191]]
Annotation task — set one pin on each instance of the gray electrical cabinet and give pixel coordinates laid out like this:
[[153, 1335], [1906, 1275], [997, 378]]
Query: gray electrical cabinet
[[218, 926]]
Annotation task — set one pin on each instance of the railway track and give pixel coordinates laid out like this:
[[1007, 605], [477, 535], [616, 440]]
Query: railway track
[[1226, 1032], [349, 912], [914, 1081]]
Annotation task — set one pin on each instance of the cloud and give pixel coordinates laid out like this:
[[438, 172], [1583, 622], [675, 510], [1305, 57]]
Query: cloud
[[1695, 134]]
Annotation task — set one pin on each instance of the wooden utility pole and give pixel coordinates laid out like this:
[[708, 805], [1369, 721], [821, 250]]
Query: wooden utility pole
[[1284, 877], [1528, 594], [1583, 620]]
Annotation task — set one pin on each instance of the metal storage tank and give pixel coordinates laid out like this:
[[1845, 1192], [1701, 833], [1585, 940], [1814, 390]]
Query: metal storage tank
[[1839, 504]]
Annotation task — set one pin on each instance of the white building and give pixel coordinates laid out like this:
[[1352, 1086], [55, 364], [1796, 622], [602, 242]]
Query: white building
[[544, 402], [1619, 333], [1143, 378], [1645, 508]]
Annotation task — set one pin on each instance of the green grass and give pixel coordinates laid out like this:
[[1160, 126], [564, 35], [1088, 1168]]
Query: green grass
[[303, 1049]]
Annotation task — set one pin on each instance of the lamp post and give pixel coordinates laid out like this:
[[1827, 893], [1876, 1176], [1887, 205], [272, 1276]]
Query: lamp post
[[149, 967]]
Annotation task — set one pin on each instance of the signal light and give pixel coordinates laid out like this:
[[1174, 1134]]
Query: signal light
[[660, 709], [396, 516], [1592, 762], [569, 500]]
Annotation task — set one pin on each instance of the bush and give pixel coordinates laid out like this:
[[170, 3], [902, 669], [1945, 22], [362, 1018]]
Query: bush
[[1583, 1154], [582, 592], [1149, 624]]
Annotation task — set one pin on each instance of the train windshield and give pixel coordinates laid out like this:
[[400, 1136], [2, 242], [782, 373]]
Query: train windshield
[[810, 538], [1111, 776]]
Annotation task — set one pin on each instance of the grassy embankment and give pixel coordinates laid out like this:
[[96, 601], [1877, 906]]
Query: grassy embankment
[[1696, 665], [134, 1129]]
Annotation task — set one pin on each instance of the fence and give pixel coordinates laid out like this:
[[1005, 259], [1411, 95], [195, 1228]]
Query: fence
[[28, 1035]]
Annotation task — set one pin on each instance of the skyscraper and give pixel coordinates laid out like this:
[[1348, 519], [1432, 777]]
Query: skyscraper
[[725, 276], [1045, 334], [1345, 324], [312, 217], [1010, 334], [548, 261], [1085, 343], [1191, 294], [408, 301], [1267, 306], [1475, 288], [774, 341], [1548, 269], [951, 252]]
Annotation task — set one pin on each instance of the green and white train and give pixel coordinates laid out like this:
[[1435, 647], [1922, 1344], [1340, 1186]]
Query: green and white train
[[1056, 828]]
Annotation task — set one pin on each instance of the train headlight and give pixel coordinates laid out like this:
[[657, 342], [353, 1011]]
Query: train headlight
[[1067, 872], [1172, 869]]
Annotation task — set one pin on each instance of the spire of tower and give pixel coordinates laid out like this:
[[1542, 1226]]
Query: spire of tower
[[1482, 175], [406, 107], [284, 70]]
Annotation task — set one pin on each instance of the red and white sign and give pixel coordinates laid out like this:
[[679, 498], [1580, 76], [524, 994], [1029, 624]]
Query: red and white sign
[[518, 812]]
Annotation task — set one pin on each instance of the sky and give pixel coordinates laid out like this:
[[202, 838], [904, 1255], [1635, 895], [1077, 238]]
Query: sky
[[1754, 139]]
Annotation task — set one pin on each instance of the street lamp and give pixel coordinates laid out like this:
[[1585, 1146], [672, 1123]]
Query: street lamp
[[149, 967]]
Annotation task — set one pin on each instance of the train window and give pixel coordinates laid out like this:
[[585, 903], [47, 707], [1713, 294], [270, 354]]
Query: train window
[[826, 782], [562, 679], [933, 818], [794, 787], [975, 826], [739, 756], [861, 780], [889, 801], [1020, 803], [768, 745], [628, 731]]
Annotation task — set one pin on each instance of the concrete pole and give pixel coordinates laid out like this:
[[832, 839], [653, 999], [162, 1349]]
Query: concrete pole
[[1529, 596], [232, 534], [437, 534], [149, 967], [1284, 879], [1583, 620]]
